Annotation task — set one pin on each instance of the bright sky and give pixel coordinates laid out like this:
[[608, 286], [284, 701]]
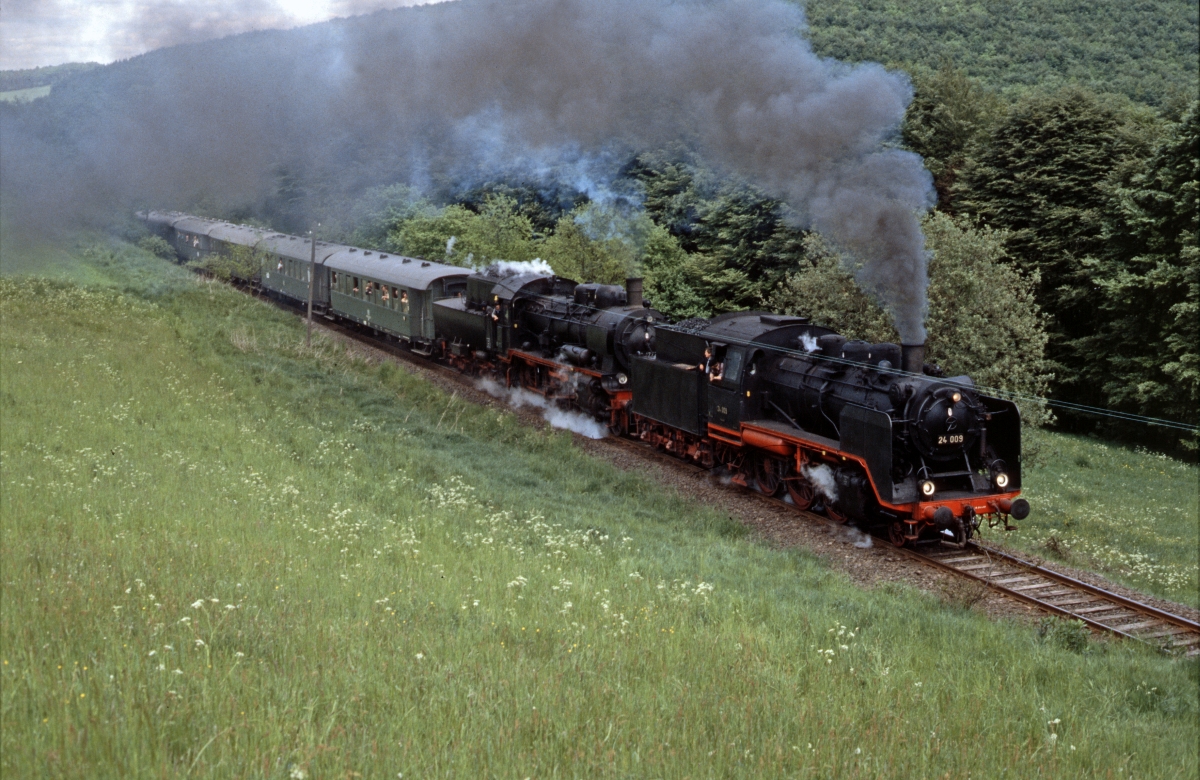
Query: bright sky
[[50, 32]]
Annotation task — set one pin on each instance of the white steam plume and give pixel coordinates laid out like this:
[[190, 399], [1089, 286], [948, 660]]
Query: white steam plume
[[821, 477], [518, 397], [512, 267]]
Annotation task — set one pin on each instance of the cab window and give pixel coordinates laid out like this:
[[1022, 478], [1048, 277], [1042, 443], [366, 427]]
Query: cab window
[[733, 366]]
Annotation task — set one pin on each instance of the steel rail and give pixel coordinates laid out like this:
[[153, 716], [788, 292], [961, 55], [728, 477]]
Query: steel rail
[[1147, 609], [1116, 602]]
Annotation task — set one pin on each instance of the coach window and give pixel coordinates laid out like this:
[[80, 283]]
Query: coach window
[[404, 301], [355, 290]]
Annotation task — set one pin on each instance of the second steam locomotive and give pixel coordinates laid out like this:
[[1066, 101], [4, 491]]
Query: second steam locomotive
[[868, 432]]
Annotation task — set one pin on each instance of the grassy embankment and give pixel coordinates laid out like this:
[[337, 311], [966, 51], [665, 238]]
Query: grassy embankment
[[225, 555], [1130, 515]]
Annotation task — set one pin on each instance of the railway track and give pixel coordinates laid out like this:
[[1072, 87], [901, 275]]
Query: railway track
[[1052, 592], [1059, 594]]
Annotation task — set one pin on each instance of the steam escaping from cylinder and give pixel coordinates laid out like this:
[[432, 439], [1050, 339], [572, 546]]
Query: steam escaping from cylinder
[[457, 91], [821, 477], [518, 397]]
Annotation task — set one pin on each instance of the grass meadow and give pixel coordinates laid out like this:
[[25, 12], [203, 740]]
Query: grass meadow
[[226, 555]]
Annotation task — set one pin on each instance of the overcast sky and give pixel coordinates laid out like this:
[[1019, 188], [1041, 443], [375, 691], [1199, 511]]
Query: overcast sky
[[50, 32]]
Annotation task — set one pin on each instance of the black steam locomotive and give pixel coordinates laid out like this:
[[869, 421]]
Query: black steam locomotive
[[868, 432]]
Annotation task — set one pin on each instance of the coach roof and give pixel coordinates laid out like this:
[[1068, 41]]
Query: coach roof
[[409, 272], [236, 234], [297, 248]]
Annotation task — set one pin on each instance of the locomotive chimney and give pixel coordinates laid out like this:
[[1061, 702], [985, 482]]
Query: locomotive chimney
[[633, 292], [912, 358]]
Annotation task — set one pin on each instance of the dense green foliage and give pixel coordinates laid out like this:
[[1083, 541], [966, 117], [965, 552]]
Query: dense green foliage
[[229, 555], [1146, 50], [949, 112], [1149, 275], [1045, 176], [239, 262], [1085, 185], [157, 245]]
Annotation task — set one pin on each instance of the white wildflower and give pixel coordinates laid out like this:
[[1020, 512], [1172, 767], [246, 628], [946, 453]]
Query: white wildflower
[[197, 603]]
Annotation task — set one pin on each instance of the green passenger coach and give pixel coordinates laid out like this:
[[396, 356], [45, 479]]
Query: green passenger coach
[[391, 293], [285, 267]]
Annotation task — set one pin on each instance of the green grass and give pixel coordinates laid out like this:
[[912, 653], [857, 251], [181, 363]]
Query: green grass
[[226, 555], [1130, 515], [24, 95]]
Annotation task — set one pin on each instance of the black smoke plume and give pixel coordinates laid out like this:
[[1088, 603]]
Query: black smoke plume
[[428, 94]]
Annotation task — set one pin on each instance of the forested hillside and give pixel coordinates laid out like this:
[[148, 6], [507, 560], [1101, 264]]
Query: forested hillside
[[11, 80], [1146, 50]]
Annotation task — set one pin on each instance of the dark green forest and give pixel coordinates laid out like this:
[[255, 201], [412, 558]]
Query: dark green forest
[[1062, 137], [1144, 50]]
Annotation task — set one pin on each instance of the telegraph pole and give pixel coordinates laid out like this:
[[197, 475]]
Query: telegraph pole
[[312, 275]]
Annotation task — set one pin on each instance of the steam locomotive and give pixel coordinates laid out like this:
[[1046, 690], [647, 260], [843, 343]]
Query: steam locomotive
[[868, 433]]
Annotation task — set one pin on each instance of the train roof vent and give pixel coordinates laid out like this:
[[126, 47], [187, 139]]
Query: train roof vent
[[424, 265], [352, 249], [406, 260], [382, 256], [366, 252]]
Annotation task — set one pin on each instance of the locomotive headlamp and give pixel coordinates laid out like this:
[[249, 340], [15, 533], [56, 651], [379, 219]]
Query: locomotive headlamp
[[928, 488], [1001, 480], [956, 397], [622, 379]]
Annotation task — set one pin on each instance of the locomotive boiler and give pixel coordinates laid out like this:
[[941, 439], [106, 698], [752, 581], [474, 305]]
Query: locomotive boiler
[[868, 430]]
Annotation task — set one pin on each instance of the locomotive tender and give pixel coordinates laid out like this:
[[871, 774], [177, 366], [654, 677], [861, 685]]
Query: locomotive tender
[[867, 431]]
